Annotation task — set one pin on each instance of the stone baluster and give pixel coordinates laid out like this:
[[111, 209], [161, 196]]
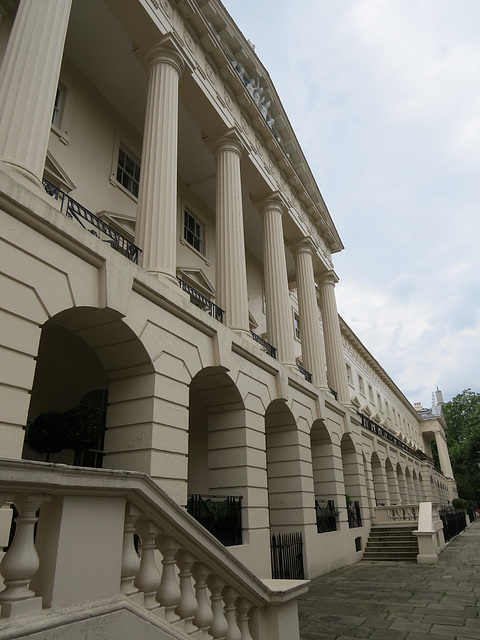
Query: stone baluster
[[230, 597], [21, 561], [243, 610], [204, 616], [187, 606], [130, 557], [148, 576], [219, 626], [168, 593]]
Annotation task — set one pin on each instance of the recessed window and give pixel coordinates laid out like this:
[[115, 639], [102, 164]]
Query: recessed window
[[128, 170], [296, 326], [349, 374], [193, 232], [360, 385], [379, 401], [370, 394], [58, 106]]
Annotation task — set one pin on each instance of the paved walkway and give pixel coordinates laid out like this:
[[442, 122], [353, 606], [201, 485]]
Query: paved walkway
[[399, 601]]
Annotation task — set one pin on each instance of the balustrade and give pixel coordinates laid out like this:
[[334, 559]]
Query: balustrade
[[197, 587]]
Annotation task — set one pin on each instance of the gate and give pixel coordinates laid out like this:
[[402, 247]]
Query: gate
[[287, 556]]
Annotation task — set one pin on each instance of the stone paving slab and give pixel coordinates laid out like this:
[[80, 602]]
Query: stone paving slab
[[399, 601]]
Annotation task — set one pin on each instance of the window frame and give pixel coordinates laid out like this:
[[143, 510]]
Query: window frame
[[186, 211]]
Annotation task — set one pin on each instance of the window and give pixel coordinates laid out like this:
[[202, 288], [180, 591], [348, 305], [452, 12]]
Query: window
[[379, 401], [128, 170], [193, 232], [58, 106], [360, 385], [349, 374], [370, 394], [296, 326], [387, 408]]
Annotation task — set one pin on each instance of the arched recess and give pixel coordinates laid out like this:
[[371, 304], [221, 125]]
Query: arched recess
[[216, 435], [402, 485], [392, 481], [424, 491], [326, 465], [417, 486], [351, 471], [83, 350], [410, 486], [369, 485], [286, 471], [380, 484]]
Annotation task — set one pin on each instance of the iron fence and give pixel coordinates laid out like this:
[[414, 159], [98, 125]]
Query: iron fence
[[354, 515], [287, 556], [454, 522]]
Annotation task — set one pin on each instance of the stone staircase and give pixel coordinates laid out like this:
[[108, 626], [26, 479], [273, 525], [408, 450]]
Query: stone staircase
[[394, 544]]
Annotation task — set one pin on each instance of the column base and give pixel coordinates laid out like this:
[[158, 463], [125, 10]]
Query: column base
[[25, 173], [21, 607]]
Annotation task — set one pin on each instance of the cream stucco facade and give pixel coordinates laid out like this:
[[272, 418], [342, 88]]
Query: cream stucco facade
[[167, 128]]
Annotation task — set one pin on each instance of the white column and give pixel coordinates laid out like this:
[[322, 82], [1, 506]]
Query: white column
[[156, 232], [313, 348], [279, 312], [231, 270], [443, 455], [28, 83], [336, 368]]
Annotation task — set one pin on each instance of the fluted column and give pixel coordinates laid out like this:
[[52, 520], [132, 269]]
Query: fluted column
[[279, 313], [156, 232], [231, 270], [336, 368], [28, 83], [313, 348], [443, 455]]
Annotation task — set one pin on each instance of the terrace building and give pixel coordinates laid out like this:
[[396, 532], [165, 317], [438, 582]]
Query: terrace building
[[167, 261]]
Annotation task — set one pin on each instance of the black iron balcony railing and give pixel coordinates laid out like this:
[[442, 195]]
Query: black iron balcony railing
[[354, 515], [266, 346], [221, 515], [333, 392], [326, 515], [306, 374], [73, 209], [380, 431], [201, 301]]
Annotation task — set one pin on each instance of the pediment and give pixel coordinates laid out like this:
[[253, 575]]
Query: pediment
[[365, 409], [121, 222], [253, 323], [54, 173], [356, 402], [197, 279]]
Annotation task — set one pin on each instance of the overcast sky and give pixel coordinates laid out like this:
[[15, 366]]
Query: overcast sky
[[384, 97]]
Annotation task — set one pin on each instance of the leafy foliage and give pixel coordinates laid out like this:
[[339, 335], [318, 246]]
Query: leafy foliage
[[462, 415]]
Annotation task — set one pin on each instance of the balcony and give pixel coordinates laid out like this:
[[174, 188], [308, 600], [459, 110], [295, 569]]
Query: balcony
[[266, 346], [97, 227], [306, 374], [201, 301]]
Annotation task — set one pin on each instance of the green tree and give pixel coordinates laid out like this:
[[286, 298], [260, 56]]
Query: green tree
[[462, 415]]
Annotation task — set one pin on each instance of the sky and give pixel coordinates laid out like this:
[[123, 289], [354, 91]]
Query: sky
[[384, 98]]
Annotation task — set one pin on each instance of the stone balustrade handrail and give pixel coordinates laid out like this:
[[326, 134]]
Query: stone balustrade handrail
[[37, 482]]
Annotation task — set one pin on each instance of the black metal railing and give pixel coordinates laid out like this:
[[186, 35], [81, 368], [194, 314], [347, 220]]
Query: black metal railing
[[306, 374], [201, 301], [380, 431], [73, 209], [326, 515], [221, 515], [354, 515], [454, 522], [266, 346], [333, 392], [287, 556]]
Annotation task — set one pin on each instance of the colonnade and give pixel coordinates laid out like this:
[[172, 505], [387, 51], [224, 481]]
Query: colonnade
[[28, 82]]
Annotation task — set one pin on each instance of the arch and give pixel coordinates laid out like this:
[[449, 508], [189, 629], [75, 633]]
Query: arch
[[286, 471], [351, 471], [412, 499], [216, 434], [402, 485], [81, 350], [380, 485], [392, 481]]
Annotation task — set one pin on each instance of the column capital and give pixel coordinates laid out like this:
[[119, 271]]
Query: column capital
[[271, 202], [305, 245], [229, 140], [328, 277], [162, 51]]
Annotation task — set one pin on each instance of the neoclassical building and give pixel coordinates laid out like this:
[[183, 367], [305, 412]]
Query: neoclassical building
[[167, 261]]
